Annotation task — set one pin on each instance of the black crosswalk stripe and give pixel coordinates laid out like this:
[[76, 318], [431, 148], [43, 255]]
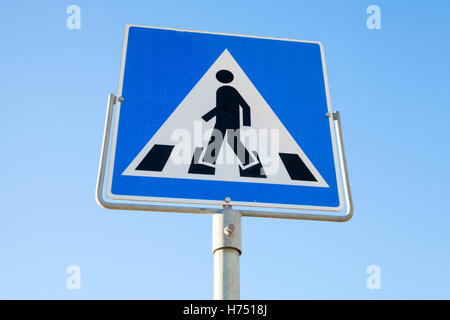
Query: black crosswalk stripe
[[255, 171], [159, 154], [156, 158], [198, 168], [296, 168]]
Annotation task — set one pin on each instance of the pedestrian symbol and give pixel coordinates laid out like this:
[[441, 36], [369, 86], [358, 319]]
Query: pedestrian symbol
[[225, 130], [226, 112]]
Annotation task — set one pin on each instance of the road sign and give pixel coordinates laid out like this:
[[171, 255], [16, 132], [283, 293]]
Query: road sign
[[204, 116]]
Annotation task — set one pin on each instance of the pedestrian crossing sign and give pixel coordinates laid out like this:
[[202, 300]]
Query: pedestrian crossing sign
[[205, 116]]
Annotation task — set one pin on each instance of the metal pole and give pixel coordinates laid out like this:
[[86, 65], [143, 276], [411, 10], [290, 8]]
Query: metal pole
[[226, 249]]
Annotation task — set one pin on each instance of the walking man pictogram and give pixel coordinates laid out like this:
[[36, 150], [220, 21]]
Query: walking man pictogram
[[227, 114]]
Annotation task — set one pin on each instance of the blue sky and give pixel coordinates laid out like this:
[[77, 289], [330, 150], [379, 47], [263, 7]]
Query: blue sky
[[391, 86]]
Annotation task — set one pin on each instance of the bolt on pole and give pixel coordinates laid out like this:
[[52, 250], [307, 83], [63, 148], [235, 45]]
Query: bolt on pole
[[226, 249]]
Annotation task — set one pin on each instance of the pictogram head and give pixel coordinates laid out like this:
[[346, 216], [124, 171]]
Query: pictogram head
[[224, 76]]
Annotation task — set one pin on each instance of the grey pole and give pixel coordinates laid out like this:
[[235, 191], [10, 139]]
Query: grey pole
[[226, 249]]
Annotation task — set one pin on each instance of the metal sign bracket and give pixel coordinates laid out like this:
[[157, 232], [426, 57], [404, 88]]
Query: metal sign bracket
[[102, 201]]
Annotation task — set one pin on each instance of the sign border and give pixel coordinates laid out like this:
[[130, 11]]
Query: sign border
[[114, 128]]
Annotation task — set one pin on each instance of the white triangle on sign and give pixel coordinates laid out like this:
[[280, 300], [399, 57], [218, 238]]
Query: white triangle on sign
[[186, 131]]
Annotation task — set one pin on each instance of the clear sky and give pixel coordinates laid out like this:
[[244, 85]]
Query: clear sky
[[391, 86]]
